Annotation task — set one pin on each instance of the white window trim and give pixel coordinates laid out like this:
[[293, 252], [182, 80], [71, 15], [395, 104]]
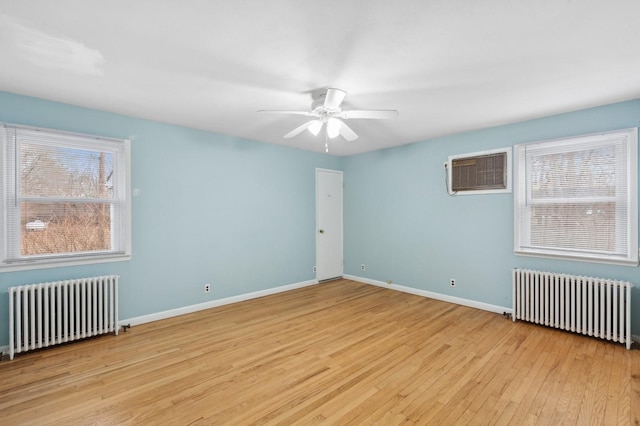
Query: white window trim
[[449, 167], [72, 260], [519, 177]]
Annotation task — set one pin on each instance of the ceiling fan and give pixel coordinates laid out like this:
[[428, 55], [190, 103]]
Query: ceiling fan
[[326, 111]]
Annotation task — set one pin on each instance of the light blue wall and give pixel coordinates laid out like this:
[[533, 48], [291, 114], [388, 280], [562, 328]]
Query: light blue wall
[[241, 214], [235, 213], [400, 222]]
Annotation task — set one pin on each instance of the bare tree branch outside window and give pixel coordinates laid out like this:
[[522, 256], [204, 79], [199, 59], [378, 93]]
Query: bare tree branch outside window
[[69, 192]]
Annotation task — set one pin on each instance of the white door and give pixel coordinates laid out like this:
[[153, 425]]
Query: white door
[[328, 224]]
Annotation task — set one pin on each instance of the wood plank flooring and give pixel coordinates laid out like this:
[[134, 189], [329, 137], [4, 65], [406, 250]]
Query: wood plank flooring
[[336, 353]]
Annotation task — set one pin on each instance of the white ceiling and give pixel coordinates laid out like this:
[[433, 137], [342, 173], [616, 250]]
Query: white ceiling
[[447, 66]]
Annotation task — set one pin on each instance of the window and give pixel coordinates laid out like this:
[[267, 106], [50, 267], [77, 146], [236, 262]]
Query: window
[[486, 172], [578, 198], [65, 198]]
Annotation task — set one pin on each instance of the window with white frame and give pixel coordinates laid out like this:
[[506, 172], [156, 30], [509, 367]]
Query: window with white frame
[[65, 198], [577, 198]]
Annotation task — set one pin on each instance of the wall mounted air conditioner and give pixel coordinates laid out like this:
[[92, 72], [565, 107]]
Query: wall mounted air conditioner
[[485, 172]]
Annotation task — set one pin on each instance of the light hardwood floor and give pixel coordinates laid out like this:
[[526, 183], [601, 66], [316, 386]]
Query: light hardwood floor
[[339, 353]]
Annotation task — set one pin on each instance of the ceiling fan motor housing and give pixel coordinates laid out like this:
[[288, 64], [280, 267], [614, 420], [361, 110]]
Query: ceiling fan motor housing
[[320, 103]]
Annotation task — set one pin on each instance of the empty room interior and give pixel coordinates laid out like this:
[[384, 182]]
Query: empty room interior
[[340, 212]]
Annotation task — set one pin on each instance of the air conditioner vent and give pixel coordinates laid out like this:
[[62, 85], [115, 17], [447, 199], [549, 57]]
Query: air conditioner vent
[[480, 172]]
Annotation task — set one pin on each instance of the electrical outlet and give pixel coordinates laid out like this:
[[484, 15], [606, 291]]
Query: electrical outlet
[[362, 267], [452, 282], [207, 288], [315, 268]]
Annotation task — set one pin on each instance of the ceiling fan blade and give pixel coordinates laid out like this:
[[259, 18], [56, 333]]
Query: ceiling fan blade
[[334, 98], [277, 111], [347, 132], [376, 114], [299, 129]]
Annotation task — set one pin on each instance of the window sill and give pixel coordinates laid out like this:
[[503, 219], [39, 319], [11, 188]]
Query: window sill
[[58, 263], [590, 259]]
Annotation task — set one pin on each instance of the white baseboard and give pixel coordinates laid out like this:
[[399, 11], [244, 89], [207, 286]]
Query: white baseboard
[[424, 293], [214, 303]]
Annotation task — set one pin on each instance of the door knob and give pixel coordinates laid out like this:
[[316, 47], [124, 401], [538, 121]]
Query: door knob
[[321, 231]]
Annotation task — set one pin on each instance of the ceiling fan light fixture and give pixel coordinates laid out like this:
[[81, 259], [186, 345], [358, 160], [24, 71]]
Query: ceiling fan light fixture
[[326, 109], [333, 127], [315, 127]]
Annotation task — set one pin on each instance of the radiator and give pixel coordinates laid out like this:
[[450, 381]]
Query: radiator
[[47, 314], [592, 306]]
